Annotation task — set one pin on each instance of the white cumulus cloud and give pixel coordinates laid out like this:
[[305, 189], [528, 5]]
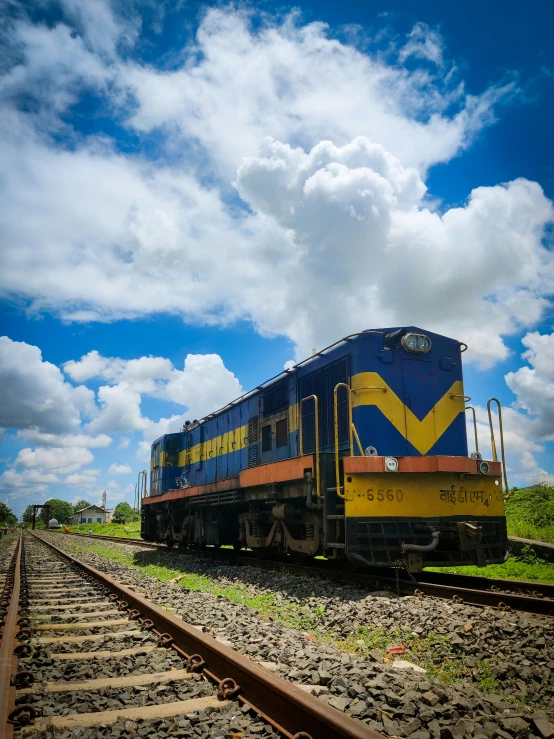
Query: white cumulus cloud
[[356, 229], [65, 440], [34, 394], [54, 459], [119, 469], [534, 385]]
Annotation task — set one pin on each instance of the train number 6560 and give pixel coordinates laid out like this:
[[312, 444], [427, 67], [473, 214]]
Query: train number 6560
[[382, 495]]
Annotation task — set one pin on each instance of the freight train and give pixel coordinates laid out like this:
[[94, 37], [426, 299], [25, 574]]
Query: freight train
[[359, 452]]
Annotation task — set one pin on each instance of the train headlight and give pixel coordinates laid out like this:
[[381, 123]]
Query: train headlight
[[391, 464], [416, 343], [484, 468]]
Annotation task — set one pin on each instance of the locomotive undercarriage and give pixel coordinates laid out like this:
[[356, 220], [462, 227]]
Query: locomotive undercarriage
[[280, 521]]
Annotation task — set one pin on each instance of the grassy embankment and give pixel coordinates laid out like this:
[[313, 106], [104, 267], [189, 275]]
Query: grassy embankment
[[125, 530]]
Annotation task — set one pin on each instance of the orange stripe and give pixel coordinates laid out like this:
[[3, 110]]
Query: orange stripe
[[287, 469], [265, 474], [462, 465]]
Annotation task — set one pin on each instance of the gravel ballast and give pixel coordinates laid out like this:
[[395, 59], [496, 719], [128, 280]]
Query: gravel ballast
[[395, 698]]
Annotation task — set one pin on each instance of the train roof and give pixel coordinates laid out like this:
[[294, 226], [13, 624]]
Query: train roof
[[313, 357]]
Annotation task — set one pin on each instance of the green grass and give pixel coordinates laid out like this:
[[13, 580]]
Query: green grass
[[530, 513], [513, 569], [125, 530]]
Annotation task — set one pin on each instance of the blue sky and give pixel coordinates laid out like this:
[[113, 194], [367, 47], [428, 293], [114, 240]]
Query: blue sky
[[194, 194]]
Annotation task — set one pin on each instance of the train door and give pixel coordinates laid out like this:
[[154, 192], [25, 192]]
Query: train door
[[221, 449], [419, 400], [187, 459], [274, 422], [210, 447], [233, 464], [198, 455], [250, 424]]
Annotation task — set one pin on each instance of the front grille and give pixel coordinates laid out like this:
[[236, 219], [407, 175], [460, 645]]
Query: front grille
[[379, 540]]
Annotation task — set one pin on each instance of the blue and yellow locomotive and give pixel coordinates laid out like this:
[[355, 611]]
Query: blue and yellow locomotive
[[358, 452]]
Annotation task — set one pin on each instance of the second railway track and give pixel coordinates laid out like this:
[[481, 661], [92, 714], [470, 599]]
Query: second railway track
[[529, 597], [81, 650]]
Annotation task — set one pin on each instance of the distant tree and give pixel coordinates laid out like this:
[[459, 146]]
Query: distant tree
[[61, 510], [27, 514], [80, 505], [6, 515], [124, 512]]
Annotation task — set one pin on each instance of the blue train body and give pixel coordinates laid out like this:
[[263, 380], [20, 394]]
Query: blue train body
[[403, 399]]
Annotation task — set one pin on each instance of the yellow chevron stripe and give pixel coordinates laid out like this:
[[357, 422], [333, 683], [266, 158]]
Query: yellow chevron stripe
[[368, 388]]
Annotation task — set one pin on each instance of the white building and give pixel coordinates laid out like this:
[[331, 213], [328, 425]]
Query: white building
[[93, 514]]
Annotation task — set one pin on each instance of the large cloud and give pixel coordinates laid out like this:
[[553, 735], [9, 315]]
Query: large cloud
[[534, 386], [57, 460], [34, 394], [242, 81], [139, 236], [366, 251], [203, 385]]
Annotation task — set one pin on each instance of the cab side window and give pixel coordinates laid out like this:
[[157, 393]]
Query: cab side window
[[172, 451], [266, 438]]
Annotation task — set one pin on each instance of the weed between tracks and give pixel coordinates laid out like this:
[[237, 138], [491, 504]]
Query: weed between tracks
[[432, 652]]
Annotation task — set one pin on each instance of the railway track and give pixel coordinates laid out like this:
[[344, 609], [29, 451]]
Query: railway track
[[131, 661], [516, 595]]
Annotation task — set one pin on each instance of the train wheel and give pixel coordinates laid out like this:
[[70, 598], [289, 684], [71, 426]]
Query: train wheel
[[169, 543], [237, 546]]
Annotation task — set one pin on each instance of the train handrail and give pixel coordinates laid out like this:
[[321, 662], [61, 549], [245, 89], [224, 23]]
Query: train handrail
[[358, 442], [336, 424], [472, 409], [141, 491], [493, 443], [300, 428]]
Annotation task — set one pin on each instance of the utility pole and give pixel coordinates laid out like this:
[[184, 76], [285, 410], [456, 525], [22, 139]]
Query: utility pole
[[104, 500]]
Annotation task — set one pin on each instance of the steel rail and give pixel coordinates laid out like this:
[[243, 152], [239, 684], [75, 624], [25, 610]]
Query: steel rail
[[284, 705], [469, 596], [470, 589], [8, 661], [122, 539]]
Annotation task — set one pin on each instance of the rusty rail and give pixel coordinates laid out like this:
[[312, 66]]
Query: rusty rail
[[285, 706], [8, 661]]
